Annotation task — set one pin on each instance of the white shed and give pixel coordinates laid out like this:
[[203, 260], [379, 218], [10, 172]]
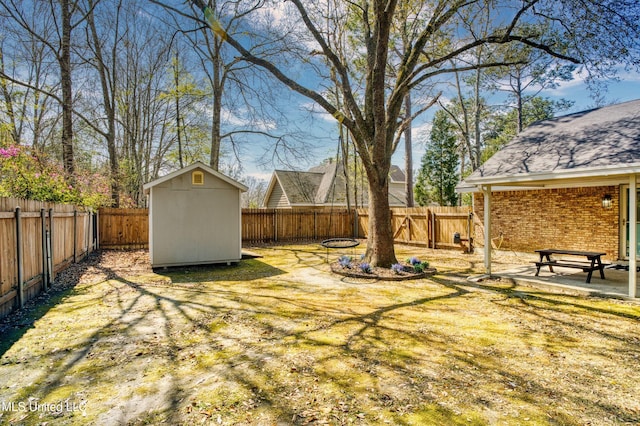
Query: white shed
[[195, 217]]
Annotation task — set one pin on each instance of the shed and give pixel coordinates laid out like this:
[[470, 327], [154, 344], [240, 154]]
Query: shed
[[195, 217]]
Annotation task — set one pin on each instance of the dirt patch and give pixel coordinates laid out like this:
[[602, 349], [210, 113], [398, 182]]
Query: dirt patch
[[281, 340]]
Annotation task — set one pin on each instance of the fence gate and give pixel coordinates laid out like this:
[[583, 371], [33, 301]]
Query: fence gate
[[433, 227]]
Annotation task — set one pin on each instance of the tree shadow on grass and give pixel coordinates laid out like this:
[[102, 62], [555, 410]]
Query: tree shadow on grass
[[20, 321], [199, 350], [245, 270], [136, 312]]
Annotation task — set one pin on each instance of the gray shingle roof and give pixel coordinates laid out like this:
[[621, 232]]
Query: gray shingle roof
[[299, 187], [601, 138], [397, 174], [316, 186]]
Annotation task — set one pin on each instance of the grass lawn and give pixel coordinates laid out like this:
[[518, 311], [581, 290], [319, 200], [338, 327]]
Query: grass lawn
[[279, 340]]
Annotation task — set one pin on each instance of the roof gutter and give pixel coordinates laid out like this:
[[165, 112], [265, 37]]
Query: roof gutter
[[598, 176]]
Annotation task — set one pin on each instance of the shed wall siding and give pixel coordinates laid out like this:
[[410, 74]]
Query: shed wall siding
[[568, 218], [193, 224]]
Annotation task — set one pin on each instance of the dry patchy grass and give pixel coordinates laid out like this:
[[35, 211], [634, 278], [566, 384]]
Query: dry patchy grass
[[280, 340]]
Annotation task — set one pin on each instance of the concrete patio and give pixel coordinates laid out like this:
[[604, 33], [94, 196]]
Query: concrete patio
[[520, 267], [615, 284]]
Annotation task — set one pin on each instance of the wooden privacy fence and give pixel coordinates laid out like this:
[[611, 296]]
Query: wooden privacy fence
[[129, 228], [271, 225], [37, 240], [123, 228], [434, 227]]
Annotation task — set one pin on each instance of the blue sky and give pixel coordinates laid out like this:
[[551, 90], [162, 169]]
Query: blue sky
[[325, 127]]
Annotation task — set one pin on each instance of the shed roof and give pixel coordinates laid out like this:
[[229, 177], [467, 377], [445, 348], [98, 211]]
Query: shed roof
[[600, 142], [198, 164]]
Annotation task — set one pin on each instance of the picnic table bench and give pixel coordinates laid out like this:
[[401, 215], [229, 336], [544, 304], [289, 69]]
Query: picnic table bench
[[593, 262]]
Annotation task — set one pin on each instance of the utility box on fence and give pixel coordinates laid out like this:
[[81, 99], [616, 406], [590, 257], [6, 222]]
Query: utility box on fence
[[195, 217], [456, 238]]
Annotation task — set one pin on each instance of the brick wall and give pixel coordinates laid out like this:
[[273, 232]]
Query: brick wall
[[568, 218]]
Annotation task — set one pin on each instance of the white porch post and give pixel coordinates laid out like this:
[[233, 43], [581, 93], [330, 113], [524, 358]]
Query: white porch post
[[487, 228], [633, 237]]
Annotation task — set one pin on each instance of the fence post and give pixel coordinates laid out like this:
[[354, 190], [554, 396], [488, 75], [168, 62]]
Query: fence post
[[19, 257], [433, 229], [96, 230], [87, 235], [43, 225], [355, 223], [275, 225], [52, 262], [75, 235]]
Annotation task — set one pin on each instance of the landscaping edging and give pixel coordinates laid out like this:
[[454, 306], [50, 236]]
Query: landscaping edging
[[388, 275]]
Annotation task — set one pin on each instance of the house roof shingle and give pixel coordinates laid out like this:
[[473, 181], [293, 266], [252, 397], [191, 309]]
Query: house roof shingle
[[325, 185], [299, 187], [606, 138]]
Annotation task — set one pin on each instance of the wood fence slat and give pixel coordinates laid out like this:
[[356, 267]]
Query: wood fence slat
[[128, 228], [33, 262], [426, 226]]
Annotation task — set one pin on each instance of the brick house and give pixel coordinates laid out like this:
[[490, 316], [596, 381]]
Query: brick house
[[566, 182]]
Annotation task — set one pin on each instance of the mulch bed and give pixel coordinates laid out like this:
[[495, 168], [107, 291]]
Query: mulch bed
[[384, 274]]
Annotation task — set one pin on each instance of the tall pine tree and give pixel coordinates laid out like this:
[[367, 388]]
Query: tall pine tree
[[438, 173]]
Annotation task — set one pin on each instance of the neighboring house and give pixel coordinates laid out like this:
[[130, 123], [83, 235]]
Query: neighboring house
[[324, 186], [565, 182], [194, 217]]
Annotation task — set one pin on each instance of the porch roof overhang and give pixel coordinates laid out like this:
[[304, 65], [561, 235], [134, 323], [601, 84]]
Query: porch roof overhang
[[602, 176], [620, 176]]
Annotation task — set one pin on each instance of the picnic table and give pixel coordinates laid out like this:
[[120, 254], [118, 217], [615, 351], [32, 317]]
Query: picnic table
[[593, 262]]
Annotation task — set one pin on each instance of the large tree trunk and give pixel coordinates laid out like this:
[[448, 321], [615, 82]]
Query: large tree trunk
[[408, 154], [380, 249], [214, 160], [216, 119], [67, 99], [108, 93]]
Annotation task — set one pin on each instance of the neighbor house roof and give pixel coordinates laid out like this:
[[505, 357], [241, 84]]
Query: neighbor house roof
[[596, 145], [298, 187], [196, 165], [315, 187]]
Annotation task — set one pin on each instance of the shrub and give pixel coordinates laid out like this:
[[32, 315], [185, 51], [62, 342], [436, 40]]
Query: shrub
[[419, 267], [345, 261], [413, 261], [26, 173], [397, 268], [365, 267]]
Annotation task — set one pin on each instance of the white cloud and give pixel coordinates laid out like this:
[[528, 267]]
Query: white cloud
[[260, 176], [237, 119]]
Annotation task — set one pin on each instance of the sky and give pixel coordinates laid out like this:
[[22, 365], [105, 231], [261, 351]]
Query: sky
[[325, 126]]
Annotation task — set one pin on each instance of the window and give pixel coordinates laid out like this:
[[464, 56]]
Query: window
[[197, 178]]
